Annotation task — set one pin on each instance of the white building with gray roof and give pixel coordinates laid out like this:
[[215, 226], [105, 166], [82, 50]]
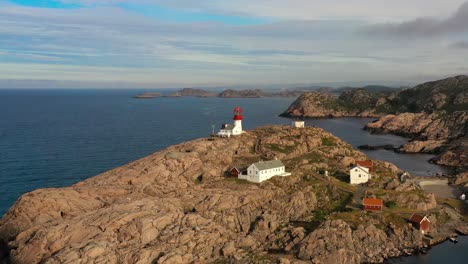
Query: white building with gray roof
[[264, 170]]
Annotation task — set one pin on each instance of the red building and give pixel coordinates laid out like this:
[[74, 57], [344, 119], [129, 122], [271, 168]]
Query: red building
[[372, 204], [235, 172], [420, 222], [366, 164]]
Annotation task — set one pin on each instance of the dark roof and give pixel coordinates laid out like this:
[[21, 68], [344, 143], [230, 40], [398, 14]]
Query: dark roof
[[227, 127], [372, 201], [265, 165], [415, 218]]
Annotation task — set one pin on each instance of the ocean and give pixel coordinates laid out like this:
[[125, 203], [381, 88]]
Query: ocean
[[55, 138]]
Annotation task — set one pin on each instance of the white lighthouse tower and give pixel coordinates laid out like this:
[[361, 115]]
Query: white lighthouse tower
[[228, 130], [237, 121]]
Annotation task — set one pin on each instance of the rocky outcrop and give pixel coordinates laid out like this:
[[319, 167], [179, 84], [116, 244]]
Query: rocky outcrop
[[314, 104], [429, 133], [428, 127], [176, 206], [336, 242], [461, 178]]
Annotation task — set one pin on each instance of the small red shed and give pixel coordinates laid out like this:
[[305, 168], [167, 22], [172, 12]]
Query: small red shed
[[373, 204], [365, 163], [420, 222], [235, 172]]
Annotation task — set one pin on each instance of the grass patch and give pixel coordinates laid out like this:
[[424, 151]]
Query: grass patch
[[280, 148], [328, 142], [237, 180], [391, 204], [320, 215], [340, 205]]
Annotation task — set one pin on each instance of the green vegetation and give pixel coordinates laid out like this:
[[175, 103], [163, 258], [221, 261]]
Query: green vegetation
[[328, 142], [320, 215], [281, 148], [391, 204], [237, 180]]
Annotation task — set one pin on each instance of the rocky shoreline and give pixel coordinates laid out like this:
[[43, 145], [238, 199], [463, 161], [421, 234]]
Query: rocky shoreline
[[176, 206], [440, 134]]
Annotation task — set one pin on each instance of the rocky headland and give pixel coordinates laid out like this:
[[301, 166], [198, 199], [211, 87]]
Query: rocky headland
[[178, 206], [433, 115]]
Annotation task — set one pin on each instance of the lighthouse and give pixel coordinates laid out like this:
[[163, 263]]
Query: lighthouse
[[237, 121], [235, 129]]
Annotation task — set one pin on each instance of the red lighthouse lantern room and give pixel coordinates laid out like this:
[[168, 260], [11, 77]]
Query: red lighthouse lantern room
[[237, 113]]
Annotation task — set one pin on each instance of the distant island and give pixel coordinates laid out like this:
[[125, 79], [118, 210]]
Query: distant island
[[182, 205], [147, 95], [259, 93], [231, 93], [433, 115]]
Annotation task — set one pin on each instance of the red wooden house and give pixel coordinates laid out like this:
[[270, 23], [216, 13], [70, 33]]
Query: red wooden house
[[372, 204], [420, 222], [366, 164]]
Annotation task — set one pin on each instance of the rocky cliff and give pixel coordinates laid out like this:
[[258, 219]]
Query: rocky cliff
[[178, 206]]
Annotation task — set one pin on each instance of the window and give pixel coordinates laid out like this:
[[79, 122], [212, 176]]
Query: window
[[359, 175]]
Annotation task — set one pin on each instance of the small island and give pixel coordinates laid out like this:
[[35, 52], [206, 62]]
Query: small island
[[148, 95]]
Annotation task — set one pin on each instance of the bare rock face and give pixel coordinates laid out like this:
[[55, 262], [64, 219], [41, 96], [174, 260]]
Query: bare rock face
[[461, 178], [422, 146], [415, 200], [336, 242]]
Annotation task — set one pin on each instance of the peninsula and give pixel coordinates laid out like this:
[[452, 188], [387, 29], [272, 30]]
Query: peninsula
[[179, 205]]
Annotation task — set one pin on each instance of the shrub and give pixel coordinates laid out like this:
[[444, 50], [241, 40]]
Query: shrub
[[391, 204]]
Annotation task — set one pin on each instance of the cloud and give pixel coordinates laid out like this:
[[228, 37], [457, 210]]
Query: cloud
[[425, 26], [460, 45], [102, 42]]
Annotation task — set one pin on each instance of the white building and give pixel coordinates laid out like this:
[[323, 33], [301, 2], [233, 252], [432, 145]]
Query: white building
[[359, 174], [262, 171], [228, 130], [298, 123]]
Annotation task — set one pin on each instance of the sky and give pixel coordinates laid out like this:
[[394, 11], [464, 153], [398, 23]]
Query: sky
[[213, 43]]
